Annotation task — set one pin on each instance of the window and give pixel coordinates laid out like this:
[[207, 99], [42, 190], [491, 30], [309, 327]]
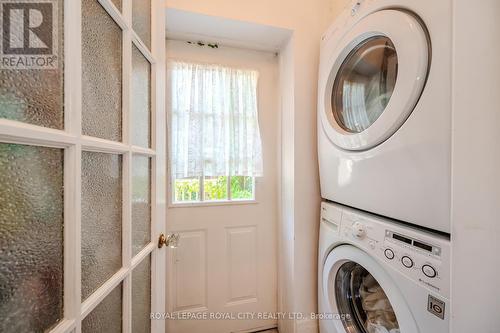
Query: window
[[215, 145], [221, 188]]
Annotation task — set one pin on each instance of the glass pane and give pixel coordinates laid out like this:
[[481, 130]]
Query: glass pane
[[187, 189], [101, 219], [215, 188], [241, 187], [34, 93], [141, 297], [141, 203], [364, 84], [141, 101], [118, 4], [31, 238], [359, 295], [141, 20], [107, 316], [101, 73]]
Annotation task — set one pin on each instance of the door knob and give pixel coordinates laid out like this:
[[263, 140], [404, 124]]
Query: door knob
[[171, 240]]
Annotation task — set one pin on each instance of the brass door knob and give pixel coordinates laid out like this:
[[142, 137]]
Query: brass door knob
[[171, 240]]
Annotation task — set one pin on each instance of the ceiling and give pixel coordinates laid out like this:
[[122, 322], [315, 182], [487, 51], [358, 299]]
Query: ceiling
[[184, 25]]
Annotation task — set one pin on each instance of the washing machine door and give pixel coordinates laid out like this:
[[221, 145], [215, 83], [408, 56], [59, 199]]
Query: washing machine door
[[361, 296], [373, 78]]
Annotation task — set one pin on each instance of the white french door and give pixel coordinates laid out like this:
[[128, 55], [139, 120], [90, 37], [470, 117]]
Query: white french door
[[82, 167]]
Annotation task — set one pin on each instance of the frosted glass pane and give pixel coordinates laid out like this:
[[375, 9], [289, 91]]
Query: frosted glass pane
[[141, 20], [35, 96], [141, 203], [101, 73], [141, 297], [141, 99], [118, 4], [31, 238], [107, 316], [101, 219]]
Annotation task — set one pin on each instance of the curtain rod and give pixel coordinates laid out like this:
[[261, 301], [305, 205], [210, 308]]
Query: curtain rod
[[202, 44]]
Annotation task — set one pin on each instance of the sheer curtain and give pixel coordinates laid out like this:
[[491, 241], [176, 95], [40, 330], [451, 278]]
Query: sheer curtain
[[214, 126]]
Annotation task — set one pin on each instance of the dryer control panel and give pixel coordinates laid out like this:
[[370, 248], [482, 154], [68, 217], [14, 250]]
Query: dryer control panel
[[420, 255]]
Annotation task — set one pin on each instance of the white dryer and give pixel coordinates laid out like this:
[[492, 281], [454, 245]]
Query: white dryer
[[377, 276], [384, 110]]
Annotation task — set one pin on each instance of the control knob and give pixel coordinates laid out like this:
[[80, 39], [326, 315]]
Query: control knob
[[358, 230]]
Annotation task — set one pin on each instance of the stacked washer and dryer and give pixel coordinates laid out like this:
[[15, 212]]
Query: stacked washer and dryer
[[384, 143]]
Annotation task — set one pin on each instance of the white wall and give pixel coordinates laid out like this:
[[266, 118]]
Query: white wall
[[335, 7], [476, 166]]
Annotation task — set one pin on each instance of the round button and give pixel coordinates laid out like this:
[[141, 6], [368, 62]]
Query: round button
[[429, 271], [389, 254], [407, 262]]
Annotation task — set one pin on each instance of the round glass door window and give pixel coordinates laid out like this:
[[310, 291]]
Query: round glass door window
[[364, 84], [363, 302]]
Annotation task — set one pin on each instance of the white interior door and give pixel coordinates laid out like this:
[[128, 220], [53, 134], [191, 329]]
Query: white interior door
[[225, 266], [82, 160]]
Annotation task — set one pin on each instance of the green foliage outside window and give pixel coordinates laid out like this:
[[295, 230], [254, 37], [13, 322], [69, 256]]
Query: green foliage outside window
[[241, 187], [187, 189], [214, 188]]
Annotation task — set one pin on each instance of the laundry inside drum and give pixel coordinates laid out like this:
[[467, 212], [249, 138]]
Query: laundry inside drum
[[360, 296]]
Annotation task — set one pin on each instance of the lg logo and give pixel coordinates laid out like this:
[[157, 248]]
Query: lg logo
[[29, 34], [436, 306]]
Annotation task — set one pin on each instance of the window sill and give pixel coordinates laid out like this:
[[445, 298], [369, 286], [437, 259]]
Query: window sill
[[212, 203]]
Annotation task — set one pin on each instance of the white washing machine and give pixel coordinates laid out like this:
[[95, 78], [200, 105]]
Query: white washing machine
[[384, 110], [378, 276]]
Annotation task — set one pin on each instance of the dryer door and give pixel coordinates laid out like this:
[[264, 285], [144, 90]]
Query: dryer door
[[365, 298], [373, 79]]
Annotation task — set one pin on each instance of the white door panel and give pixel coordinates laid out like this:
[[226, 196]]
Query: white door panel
[[189, 272], [231, 271], [241, 265]]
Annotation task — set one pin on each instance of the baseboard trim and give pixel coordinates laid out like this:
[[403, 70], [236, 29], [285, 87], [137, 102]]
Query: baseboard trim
[[259, 329]]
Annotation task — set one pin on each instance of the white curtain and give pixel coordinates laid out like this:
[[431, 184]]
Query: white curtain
[[214, 126]]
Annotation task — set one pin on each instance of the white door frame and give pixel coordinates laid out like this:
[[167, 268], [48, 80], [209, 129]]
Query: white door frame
[[73, 142]]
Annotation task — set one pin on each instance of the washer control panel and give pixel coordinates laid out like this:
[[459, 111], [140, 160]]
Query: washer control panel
[[414, 253], [420, 255]]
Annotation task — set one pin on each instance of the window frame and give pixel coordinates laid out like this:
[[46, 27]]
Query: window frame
[[171, 193], [202, 202]]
